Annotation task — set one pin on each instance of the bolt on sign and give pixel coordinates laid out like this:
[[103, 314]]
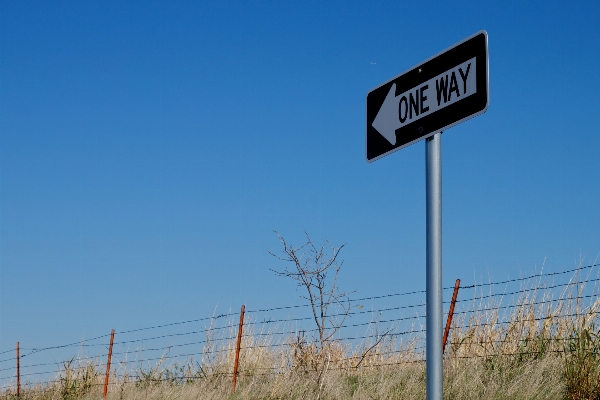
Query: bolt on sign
[[435, 95]]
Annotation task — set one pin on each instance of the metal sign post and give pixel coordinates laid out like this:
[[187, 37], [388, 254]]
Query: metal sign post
[[420, 103], [434, 316]]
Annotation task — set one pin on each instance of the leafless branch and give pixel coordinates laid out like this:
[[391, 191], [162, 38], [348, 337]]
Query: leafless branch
[[372, 347], [316, 268]]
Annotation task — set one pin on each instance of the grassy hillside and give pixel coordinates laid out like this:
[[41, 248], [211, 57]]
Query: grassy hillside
[[544, 344]]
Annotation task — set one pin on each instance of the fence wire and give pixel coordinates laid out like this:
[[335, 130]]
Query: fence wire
[[358, 334]]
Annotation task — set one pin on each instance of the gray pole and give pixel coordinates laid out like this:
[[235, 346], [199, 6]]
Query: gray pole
[[433, 152]]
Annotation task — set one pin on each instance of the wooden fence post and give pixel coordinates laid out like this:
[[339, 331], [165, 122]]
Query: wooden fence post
[[237, 350], [18, 371], [110, 347], [450, 314]]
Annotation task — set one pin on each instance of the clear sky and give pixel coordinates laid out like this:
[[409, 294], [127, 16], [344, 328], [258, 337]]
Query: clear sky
[[149, 149]]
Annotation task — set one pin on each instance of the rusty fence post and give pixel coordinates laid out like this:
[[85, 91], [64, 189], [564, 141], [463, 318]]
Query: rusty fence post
[[450, 314], [18, 371], [110, 347], [237, 350]]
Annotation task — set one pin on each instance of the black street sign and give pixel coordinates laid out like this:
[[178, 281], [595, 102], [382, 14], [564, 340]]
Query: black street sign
[[435, 95]]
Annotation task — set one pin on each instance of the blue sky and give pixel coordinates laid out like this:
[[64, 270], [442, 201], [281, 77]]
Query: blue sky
[[149, 149]]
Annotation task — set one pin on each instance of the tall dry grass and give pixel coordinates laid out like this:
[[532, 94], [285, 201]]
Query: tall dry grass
[[542, 344]]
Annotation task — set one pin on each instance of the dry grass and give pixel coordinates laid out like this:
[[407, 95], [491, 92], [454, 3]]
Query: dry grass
[[546, 345], [470, 379]]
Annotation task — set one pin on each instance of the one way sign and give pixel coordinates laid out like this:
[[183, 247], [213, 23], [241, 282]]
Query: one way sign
[[437, 94]]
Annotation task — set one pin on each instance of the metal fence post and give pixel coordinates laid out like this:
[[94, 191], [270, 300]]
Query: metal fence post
[[450, 314], [110, 347], [18, 371], [237, 349]]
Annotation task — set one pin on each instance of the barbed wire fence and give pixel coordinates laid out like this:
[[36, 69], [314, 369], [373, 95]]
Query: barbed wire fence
[[492, 319]]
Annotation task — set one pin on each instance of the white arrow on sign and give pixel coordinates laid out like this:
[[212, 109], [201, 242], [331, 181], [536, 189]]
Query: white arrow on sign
[[386, 121], [430, 96]]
